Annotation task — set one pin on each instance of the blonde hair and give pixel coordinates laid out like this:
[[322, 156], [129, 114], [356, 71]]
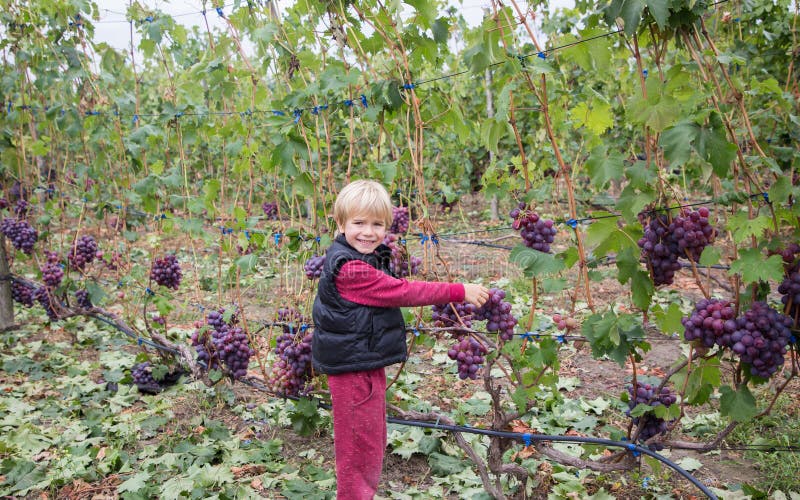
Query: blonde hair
[[363, 197]]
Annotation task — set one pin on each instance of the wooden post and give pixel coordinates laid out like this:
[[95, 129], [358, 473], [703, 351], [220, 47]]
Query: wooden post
[[6, 304]]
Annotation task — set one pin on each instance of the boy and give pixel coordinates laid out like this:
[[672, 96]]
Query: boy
[[359, 330]]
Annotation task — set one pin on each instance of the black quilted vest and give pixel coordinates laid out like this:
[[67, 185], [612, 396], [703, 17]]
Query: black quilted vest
[[350, 337]]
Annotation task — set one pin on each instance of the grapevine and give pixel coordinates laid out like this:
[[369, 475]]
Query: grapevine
[[650, 425]]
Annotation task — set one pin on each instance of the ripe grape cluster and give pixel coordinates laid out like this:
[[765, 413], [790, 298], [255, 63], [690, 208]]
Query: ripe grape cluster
[[711, 322], [660, 250], [790, 291], [468, 354], [399, 220], [52, 274], [22, 208], [400, 263], [759, 336], [45, 299], [760, 339], [83, 299], [497, 313], [313, 266], [270, 209], [166, 271], [22, 235], [649, 424], [665, 242], [83, 252], [143, 378], [443, 316], [291, 371], [537, 233], [692, 232], [22, 293], [227, 345]]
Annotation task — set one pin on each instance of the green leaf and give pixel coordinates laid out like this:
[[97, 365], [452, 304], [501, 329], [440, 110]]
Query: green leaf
[[138, 481], [594, 115], [659, 9], [642, 290], [175, 487], [702, 380], [712, 145], [677, 142], [247, 263], [780, 190], [740, 405], [743, 227], [534, 262], [669, 320], [445, 465], [604, 167], [752, 267]]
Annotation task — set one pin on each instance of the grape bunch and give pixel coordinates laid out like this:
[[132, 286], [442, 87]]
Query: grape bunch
[[3, 203], [166, 271], [143, 378], [83, 252], [468, 354], [270, 209], [443, 316], [400, 263], [22, 208], [83, 299], [497, 313], [760, 339], [22, 293], [790, 291], [712, 322], [660, 250], [227, 344], [649, 424], [399, 220], [291, 371], [22, 235], [692, 232], [789, 255], [536, 232], [43, 297], [52, 274], [313, 266], [564, 322]]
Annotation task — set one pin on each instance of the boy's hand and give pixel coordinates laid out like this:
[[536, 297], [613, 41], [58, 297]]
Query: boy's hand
[[475, 294]]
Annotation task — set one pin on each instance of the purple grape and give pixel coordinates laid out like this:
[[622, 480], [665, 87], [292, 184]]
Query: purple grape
[[83, 299], [83, 252], [497, 313], [761, 337], [711, 322], [270, 209], [45, 299], [313, 266], [469, 355], [22, 235], [166, 271], [399, 220], [400, 263], [22, 293], [650, 425], [290, 373], [227, 345], [536, 232], [143, 378], [52, 274]]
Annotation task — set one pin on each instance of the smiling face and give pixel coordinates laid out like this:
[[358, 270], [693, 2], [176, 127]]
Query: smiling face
[[364, 232]]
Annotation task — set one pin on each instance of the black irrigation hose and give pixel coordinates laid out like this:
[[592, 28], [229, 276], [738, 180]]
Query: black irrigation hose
[[528, 438]]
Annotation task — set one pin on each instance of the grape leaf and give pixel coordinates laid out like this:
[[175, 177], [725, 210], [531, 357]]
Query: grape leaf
[[669, 320], [743, 227], [534, 262], [604, 167], [752, 266], [740, 405]]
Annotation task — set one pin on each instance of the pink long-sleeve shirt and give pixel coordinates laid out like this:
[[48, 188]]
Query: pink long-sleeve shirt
[[361, 283]]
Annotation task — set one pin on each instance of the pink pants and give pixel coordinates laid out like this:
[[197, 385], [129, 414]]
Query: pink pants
[[359, 431]]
